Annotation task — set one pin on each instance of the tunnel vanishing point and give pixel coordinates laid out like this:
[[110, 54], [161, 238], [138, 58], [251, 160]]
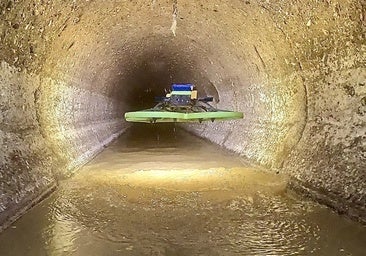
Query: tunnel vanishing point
[[296, 69]]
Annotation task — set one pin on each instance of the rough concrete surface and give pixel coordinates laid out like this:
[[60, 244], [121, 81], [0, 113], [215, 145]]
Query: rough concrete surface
[[26, 164], [70, 69]]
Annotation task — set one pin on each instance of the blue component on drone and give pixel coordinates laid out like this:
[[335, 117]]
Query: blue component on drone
[[182, 87]]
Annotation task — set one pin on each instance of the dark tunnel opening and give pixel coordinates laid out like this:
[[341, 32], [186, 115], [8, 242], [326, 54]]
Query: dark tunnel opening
[[150, 74]]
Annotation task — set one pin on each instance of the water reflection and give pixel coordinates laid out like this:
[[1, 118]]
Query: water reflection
[[175, 194]]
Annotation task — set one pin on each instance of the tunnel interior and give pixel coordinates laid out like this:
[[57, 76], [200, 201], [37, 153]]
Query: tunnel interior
[[152, 73], [71, 69]]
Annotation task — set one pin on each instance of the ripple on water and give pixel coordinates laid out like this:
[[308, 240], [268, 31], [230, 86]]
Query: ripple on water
[[186, 198], [254, 225], [268, 226]]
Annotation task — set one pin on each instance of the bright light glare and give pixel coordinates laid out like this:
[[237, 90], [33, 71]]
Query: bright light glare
[[172, 174], [188, 179], [183, 179]]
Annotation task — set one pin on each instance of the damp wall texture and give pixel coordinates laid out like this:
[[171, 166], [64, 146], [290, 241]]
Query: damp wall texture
[[327, 159], [70, 69]]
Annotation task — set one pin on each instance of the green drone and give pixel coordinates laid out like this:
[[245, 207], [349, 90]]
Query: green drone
[[182, 105]]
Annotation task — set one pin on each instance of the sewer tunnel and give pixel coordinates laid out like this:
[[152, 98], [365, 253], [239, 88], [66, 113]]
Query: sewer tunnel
[[70, 69]]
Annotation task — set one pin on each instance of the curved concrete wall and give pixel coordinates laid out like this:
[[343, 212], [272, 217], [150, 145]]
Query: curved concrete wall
[[70, 69]]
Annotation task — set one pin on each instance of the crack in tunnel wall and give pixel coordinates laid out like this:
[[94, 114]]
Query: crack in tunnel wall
[[69, 70]]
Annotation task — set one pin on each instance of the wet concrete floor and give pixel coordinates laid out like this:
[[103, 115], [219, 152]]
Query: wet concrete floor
[[165, 192]]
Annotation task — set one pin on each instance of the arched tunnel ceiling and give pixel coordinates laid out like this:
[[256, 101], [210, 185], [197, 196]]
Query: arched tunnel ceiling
[[124, 56], [79, 65]]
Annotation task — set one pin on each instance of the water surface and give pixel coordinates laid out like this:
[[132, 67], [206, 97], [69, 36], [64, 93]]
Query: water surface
[[160, 192]]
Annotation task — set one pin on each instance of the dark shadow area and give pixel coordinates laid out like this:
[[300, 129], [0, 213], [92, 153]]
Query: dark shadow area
[[151, 74], [153, 135]]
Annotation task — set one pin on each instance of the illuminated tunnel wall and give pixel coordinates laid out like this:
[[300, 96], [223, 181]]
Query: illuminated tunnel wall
[[70, 69]]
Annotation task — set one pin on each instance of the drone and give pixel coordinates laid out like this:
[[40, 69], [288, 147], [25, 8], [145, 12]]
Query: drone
[[182, 105]]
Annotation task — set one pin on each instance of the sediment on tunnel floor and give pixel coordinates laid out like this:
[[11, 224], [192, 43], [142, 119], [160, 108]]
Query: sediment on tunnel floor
[[69, 70]]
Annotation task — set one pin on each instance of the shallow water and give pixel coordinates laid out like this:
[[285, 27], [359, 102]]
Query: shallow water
[[160, 192]]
